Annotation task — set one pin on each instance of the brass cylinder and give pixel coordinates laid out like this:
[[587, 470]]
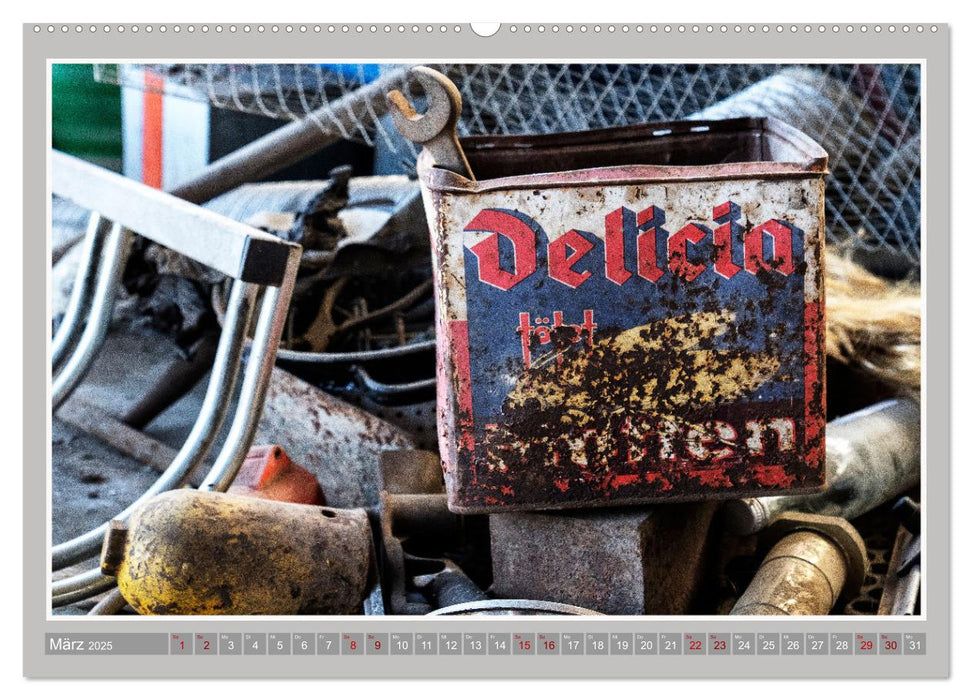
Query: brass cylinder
[[802, 574], [198, 553]]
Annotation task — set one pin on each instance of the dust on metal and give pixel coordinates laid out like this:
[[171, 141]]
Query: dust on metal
[[816, 561], [189, 552], [337, 442], [631, 561]]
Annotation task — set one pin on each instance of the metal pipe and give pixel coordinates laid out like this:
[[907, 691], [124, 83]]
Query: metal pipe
[[72, 325], [110, 271], [97, 422], [191, 553], [362, 356], [817, 562], [418, 514], [248, 247], [111, 604], [901, 588], [803, 574], [377, 387], [450, 586], [227, 464], [290, 143], [214, 409], [871, 456], [269, 329], [79, 587], [178, 379]]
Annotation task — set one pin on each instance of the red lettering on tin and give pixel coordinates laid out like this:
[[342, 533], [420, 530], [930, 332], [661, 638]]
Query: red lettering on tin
[[565, 252], [686, 255], [678, 261], [726, 214], [543, 332], [781, 235], [650, 219], [617, 225], [523, 238]]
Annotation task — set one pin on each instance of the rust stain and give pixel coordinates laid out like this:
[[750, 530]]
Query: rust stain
[[632, 333]]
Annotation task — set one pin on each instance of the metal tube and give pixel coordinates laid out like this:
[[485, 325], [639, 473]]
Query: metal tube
[[72, 325], [901, 588], [111, 604], [290, 143], [803, 574], [377, 387], [187, 552], [362, 356], [273, 316], [871, 456], [214, 409], [79, 587], [450, 586], [417, 514], [259, 367], [110, 271], [98, 423], [905, 595]]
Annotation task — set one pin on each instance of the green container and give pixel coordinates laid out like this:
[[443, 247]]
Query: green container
[[86, 115]]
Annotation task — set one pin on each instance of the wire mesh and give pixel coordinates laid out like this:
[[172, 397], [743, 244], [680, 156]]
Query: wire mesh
[[867, 116]]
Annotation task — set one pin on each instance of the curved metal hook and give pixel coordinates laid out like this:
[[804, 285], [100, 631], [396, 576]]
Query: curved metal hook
[[435, 129]]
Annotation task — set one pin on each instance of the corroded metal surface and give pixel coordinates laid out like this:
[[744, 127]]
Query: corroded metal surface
[[801, 575], [411, 471], [816, 561], [337, 442], [619, 562], [195, 553], [449, 587], [625, 333], [413, 507]]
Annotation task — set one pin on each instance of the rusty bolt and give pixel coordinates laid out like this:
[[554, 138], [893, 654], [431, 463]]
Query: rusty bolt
[[113, 547]]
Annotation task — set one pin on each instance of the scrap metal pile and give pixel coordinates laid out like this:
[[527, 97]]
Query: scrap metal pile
[[602, 388]]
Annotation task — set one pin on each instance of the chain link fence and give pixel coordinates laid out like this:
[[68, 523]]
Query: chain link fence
[[867, 117]]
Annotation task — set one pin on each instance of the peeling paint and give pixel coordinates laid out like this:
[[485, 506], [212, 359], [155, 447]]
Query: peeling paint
[[630, 334]]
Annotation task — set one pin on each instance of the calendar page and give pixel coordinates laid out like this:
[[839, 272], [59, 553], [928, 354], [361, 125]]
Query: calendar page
[[560, 350]]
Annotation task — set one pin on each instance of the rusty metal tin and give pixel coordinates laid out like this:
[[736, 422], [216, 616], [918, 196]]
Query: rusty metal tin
[[630, 315]]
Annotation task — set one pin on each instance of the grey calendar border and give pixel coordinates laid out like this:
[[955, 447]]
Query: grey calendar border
[[933, 48]]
